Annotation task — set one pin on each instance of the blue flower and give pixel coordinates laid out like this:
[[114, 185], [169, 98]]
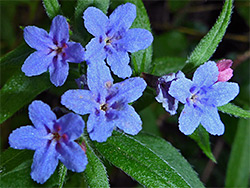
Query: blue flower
[[107, 103], [53, 51], [113, 38], [201, 97], [168, 102], [52, 140]]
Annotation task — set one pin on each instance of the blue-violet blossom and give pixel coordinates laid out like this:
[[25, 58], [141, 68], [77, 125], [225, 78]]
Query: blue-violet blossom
[[107, 103], [54, 51], [168, 102], [113, 38], [52, 139], [201, 97]]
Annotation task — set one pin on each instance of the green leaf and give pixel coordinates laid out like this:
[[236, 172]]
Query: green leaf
[[15, 170], [201, 137], [207, 46], [52, 8], [234, 110], [239, 167], [12, 61], [166, 65], [82, 34], [145, 100], [62, 175], [19, 91], [149, 160], [95, 172], [142, 59]]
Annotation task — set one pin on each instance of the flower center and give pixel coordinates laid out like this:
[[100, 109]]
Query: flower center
[[194, 97], [104, 107], [56, 136], [108, 41]]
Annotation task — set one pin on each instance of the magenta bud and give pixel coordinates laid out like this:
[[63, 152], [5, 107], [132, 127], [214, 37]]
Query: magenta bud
[[225, 72]]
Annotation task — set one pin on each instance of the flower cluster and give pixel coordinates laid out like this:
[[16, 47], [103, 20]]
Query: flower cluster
[[201, 96], [106, 102]]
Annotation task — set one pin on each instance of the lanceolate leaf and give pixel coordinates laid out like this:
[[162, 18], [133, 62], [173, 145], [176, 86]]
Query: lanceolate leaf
[[19, 90], [81, 6], [238, 167], [15, 170], [12, 61], [234, 110], [207, 46], [62, 175], [52, 8], [95, 173], [166, 65], [142, 59], [201, 137], [145, 163], [167, 152]]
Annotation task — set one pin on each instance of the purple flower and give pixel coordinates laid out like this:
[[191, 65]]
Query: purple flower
[[113, 38], [53, 51], [107, 103], [168, 102], [52, 139], [201, 97]]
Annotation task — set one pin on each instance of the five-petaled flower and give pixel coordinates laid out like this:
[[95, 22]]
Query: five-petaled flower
[[107, 103], [168, 102], [54, 51], [53, 140], [113, 38], [201, 97]]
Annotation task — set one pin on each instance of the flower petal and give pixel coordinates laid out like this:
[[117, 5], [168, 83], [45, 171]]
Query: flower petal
[[37, 63], [37, 38], [27, 137], [98, 128], [98, 76], [129, 121], [118, 61], [95, 51], [74, 52], [122, 18], [136, 39], [127, 91], [59, 71], [95, 21], [41, 115], [189, 119], [180, 89], [72, 125], [44, 163], [206, 74], [72, 156], [211, 121], [59, 29], [223, 92], [79, 100]]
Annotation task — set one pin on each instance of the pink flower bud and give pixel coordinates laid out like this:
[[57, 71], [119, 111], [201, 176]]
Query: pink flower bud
[[225, 72]]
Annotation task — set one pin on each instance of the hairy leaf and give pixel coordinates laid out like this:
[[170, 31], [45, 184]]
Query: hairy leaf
[[201, 137], [146, 163], [15, 170], [239, 167], [166, 65], [234, 110], [12, 61], [18, 91], [95, 172], [207, 46], [52, 8]]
